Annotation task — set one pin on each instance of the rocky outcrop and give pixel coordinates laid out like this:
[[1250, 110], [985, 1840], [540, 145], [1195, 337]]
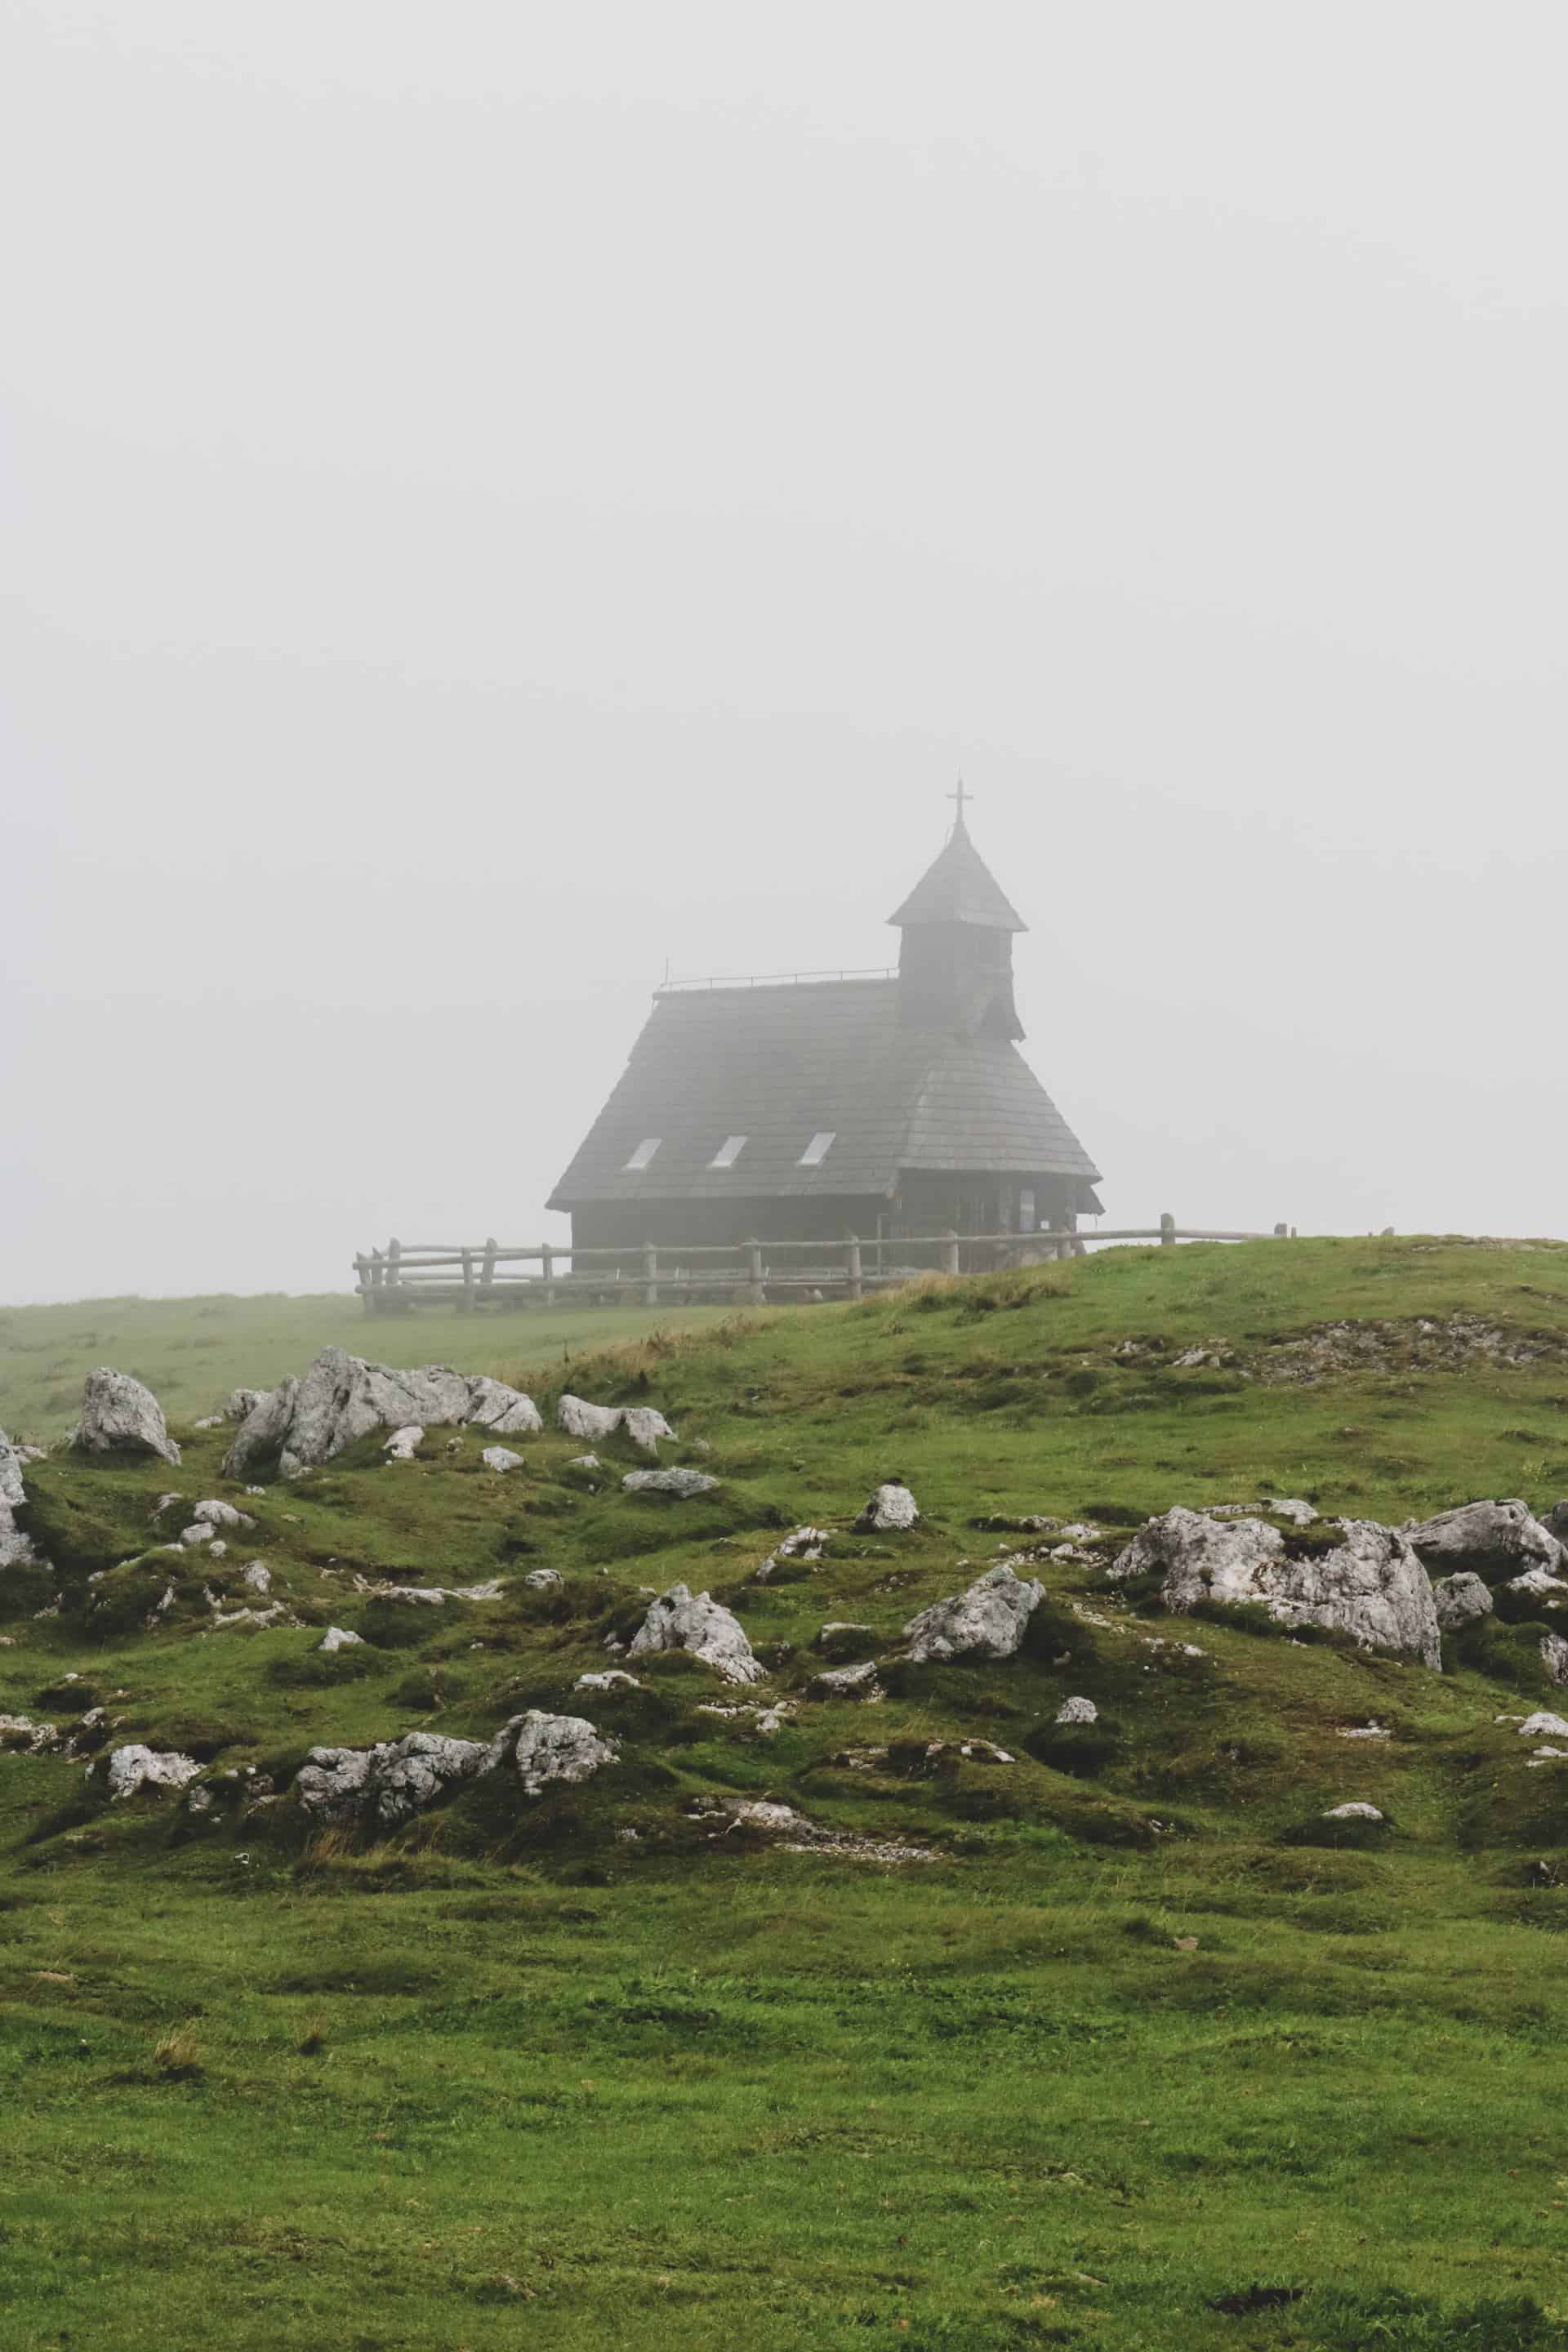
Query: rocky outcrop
[[1353, 1813], [890, 1510], [1539, 1584], [15, 1548], [242, 1404], [338, 1637], [1078, 1710], [303, 1423], [1493, 1540], [988, 1620], [1554, 1658], [640, 1422], [120, 1416], [131, 1769], [1556, 1522], [683, 1484], [501, 1458], [1372, 1586], [1460, 1599], [679, 1621], [806, 1544], [386, 1785]]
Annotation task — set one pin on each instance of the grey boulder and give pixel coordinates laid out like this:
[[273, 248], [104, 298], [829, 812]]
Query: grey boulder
[[1460, 1599], [501, 1458], [640, 1422], [545, 1748], [1539, 1584], [679, 1621], [988, 1620], [120, 1416], [889, 1510], [387, 1784], [134, 1767], [504, 1411], [684, 1484], [338, 1637], [1492, 1540], [1078, 1710], [848, 1682], [15, 1548], [1371, 1587]]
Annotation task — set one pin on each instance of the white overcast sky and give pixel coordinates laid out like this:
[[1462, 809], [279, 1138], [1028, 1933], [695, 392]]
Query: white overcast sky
[[494, 496]]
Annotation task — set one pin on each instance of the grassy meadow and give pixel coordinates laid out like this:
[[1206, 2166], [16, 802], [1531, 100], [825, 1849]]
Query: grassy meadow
[[1142, 2052]]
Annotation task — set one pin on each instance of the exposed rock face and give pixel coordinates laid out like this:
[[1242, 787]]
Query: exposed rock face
[[1372, 1586], [641, 1423], [1556, 1522], [120, 1416], [1544, 1726], [1492, 1540], [989, 1621], [1460, 1599], [684, 1484], [848, 1682], [341, 1398], [387, 1784], [1554, 1658], [889, 1510], [805, 1543], [544, 1580], [131, 1769], [677, 1620], [1078, 1710], [1355, 1813], [501, 1458], [338, 1637], [242, 1403], [15, 1547]]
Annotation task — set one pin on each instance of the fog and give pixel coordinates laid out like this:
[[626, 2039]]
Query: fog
[[497, 501]]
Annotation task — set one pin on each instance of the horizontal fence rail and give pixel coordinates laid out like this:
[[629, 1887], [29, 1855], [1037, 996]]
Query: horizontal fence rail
[[404, 1274]]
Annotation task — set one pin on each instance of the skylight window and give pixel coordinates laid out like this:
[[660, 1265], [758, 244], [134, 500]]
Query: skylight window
[[643, 1154], [818, 1149], [728, 1152]]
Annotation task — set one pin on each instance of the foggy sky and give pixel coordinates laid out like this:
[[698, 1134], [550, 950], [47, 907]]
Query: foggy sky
[[495, 498]]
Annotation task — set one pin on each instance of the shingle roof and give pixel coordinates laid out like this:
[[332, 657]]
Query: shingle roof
[[779, 1065], [959, 889]]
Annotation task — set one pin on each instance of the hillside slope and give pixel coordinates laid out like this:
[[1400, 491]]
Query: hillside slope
[[1010, 2031]]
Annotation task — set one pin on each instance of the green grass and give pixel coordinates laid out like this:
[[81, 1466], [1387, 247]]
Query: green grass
[[1134, 2044]]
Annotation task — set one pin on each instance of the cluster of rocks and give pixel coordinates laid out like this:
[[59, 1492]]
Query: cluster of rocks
[[386, 1785], [594, 1423], [303, 1423], [1384, 1587]]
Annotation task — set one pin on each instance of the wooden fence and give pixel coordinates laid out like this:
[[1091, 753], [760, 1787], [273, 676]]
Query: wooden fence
[[467, 1277]]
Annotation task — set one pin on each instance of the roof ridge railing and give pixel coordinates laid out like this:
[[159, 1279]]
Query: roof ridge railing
[[774, 979]]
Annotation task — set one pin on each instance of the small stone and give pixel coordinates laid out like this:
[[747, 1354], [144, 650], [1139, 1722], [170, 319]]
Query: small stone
[[544, 1580], [404, 1442], [1078, 1710], [1544, 1726], [613, 1678], [134, 1767], [684, 1484], [501, 1458], [338, 1637], [848, 1682], [892, 1510]]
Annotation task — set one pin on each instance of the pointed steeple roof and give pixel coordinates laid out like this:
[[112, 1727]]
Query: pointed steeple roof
[[959, 889]]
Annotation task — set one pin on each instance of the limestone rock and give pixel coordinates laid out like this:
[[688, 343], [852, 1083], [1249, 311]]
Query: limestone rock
[[681, 1482], [546, 1747], [892, 1509], [501, 1459], [1492, 1539], [216, 1513], [1539, 1584], [209, 1420], [640, 1422], [21, 1736], [985, 1752], [391, 1781], [1554, 1658], [1460, 1599], [805, 1543], [1354, 1812], [338, 1637], [544, 1580], [15, 1547], [1556, 1522], [613, 1678], [403, 1444], [504, 1411], [988, 1620], [1078, 1710], [1544, 1726], [848, 1682], [677, 1620], [303, 1423], [134, 1767], [258, 1577], [1371, 1587], [242, 1403], [120, 1416], [839, 1639]]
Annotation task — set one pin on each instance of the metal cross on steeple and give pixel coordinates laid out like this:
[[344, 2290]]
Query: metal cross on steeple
[[961, 796]]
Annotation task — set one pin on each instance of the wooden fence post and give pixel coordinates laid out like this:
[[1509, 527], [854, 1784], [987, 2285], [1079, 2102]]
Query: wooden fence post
[[1167, 1231], [852, 1267], [649, 1275], [393, 1278], [468, 1256], [547, 1266], [950, 1251], [488, 1271], [755, 1272]]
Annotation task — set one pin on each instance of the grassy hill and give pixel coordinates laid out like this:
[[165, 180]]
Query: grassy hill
[[1141, 2052]]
